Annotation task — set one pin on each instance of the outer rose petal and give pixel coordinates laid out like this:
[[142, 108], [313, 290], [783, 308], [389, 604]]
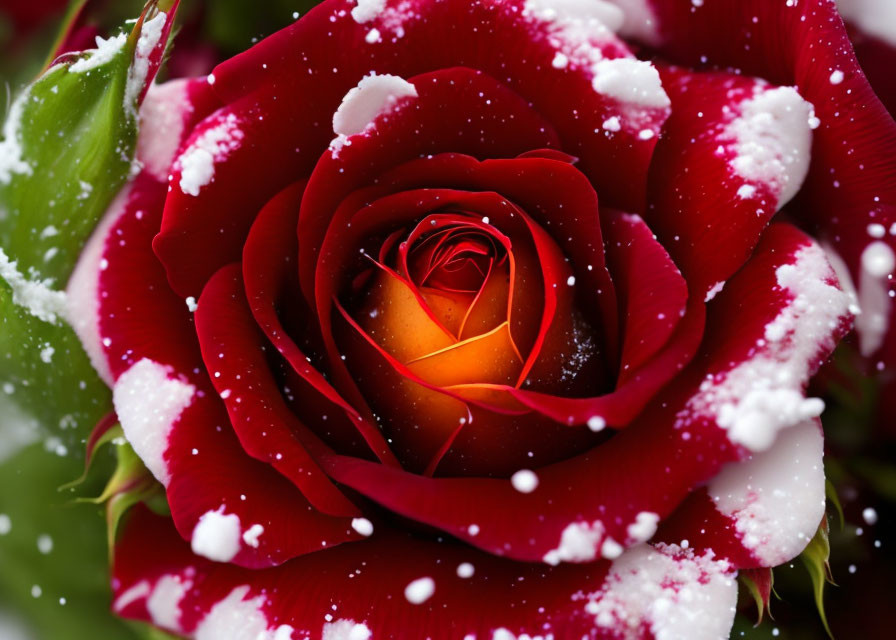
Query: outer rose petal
[[789, 315], [850, 191], [395, 585]]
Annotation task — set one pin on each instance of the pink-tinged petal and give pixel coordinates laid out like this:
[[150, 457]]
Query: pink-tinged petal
[[233, 351], [734, 151], [732, 400], [763, 510], [395, 585], [653, 294], [849, 196]]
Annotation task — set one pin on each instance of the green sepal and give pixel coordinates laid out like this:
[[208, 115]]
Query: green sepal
[[96, 442], [831, 494], [760, 585], [816, 558]]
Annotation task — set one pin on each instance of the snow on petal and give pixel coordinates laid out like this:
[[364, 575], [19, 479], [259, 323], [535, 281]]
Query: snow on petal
[[148, 403], [197, 162], [776, 497], [106, 49], [771, 140], [374, 96], [579, 542], [150, 34], [345, 629], [672, 592], [163, 603], [236, 618], [631, 81], [217, 536], [764, 394], [367, 10]]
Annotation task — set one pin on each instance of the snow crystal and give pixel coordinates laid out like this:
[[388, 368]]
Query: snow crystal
[[597, 423], [465, 570], [217, 536], [44, 544], [714, 290], [524, 481], [375, 95], [5, 524], [11, 161], [875, 17], [777, 497], [150, 34], [197, 162], [148, 404], [36, 297], [771, 140], [630, 80], [367, 10], [106, 50], [612, 124], [836, 77], [877, 264], [644, 526], [764, 394], [579, 542], [610, 549], [251, 535], [869, 515], [560, 61], [163, 603], [673, 592], [420, 590], [236, 618], [363, 526], [345, 629]]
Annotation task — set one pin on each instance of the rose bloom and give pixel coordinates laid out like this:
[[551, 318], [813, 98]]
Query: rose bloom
[[447, 319]]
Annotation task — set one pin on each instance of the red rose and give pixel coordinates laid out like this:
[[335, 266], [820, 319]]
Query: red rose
[[429, 314]]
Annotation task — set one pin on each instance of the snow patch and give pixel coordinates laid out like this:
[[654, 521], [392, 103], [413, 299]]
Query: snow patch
[[777, 497], [764, 394], [213, 145], [367, 10], [11, 161], [644, 527], [670, 591], [345, 629], [363, 526], [148, 403], [632, 81], [106, 50], [714, 290], [164, 602], [772, 139], [374, 96], [251, 535], [35, 296], [236, 618], [217, 536], [579, 542]]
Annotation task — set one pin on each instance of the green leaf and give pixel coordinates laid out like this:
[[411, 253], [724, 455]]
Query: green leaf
[[815, 558], [70, 563]]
